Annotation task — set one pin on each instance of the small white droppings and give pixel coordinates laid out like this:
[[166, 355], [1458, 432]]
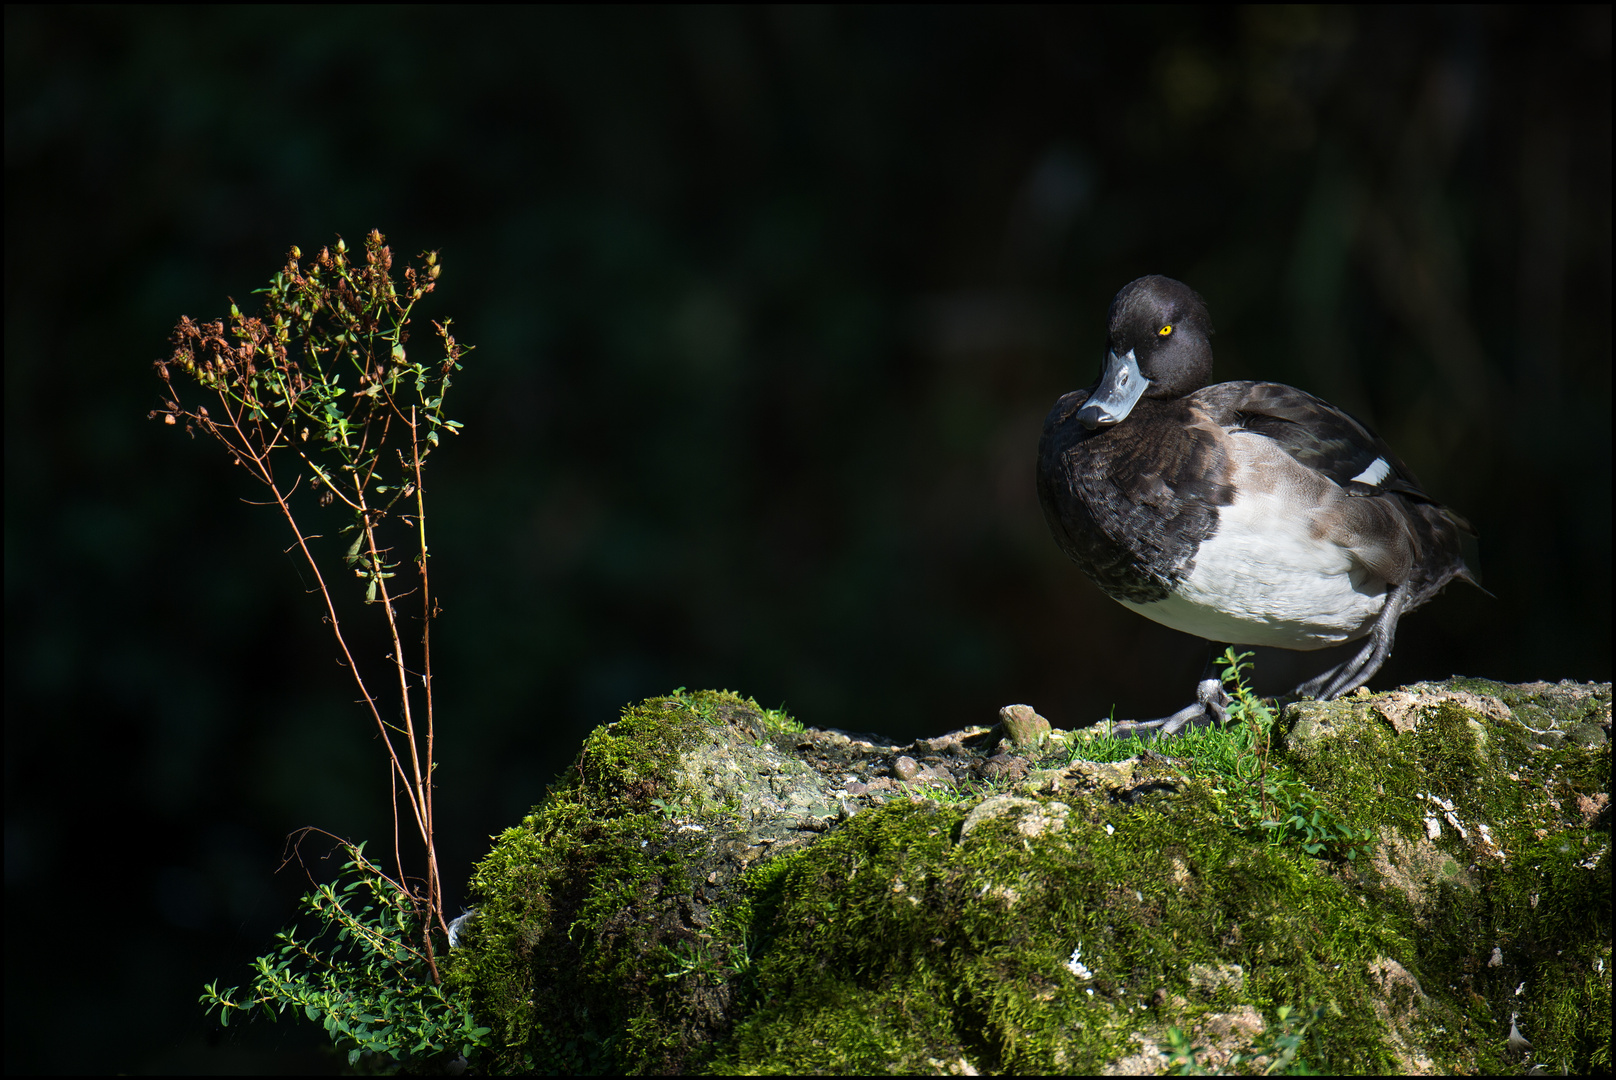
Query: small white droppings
[[1433, 828], [1109, 829], [1076, 966]]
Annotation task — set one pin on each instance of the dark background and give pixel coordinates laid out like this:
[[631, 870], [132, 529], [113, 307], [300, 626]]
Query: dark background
[[769, 307]]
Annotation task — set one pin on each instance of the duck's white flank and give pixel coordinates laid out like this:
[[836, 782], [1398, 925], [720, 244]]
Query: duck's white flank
[[1271, 574]]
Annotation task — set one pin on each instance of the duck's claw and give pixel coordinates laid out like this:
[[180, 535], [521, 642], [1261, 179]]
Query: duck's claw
[[1211, 706]]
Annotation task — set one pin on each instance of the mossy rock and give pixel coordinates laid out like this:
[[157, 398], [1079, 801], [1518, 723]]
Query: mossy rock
[[713, 888]]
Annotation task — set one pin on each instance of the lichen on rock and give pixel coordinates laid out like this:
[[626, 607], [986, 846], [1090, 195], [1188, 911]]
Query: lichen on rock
[[714, 888]]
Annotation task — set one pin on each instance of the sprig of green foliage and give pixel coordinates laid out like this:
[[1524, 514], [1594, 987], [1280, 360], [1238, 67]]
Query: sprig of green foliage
[[1289, 810], [1301, 816], [1280, 1043], [1249, 715], [360, 974], [692, 960]]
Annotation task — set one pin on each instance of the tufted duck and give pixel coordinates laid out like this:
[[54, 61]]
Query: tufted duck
[[1247, 512]]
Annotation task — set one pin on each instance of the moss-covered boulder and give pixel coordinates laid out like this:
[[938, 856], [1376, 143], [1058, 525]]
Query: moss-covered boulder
[[713, 888]]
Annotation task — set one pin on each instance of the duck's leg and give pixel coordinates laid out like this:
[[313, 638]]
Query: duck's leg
[[1211, 706], [1347, 677]]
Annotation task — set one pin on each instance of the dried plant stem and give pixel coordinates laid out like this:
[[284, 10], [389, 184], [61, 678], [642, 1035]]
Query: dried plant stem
[[417, 790], [278, 382], [270, 399]]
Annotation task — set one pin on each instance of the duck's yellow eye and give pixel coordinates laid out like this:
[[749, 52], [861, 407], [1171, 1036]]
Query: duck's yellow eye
[[1164, 331]]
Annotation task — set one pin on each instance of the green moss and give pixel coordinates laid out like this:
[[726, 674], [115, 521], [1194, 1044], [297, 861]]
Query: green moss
[[576, 902], [1520, 879], [695, 895], [878, 923]]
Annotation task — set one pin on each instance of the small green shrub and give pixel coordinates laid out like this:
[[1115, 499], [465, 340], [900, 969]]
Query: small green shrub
[[1300, 816], [1288, 810], [360, 975]]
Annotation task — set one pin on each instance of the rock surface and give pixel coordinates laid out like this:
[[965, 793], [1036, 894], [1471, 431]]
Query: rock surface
[[714, 888]]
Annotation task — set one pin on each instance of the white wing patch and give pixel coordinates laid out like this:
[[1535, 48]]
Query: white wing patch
[[1378, 471]]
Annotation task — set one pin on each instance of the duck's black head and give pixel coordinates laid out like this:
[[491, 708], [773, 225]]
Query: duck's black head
[[1157, 348]]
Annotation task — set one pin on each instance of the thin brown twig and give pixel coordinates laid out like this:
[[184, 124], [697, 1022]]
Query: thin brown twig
[[428, 613]]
